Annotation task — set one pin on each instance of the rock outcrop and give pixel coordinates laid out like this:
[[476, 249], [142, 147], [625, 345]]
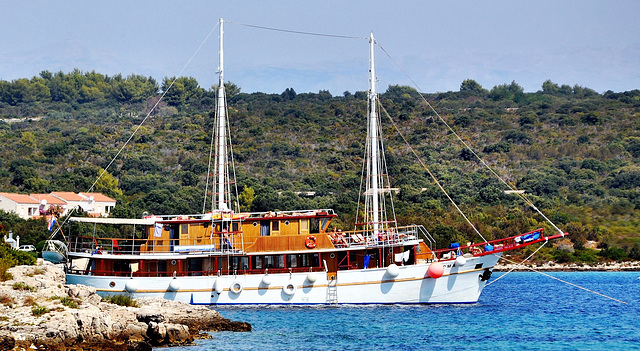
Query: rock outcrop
[[38, 311]]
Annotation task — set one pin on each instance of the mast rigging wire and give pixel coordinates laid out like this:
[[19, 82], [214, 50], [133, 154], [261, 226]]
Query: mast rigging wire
[[468, 147], [140, 124], [297, 32]]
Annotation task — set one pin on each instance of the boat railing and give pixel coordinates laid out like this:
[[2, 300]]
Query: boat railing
[[392, 237], [299, 213], [230, 243], [230, 271], [493, 246]]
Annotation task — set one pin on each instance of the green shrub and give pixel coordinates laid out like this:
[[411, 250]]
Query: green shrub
[[39, 310], [4, 266], [121, 300], [66, 301], [11, 258], [23, 286]]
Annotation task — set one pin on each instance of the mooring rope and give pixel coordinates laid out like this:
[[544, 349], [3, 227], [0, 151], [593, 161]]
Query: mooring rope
[[523, 261], [564, 281]]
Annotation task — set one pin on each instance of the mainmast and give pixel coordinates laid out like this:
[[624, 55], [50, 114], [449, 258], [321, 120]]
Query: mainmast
[[373, 137], [222, 129]]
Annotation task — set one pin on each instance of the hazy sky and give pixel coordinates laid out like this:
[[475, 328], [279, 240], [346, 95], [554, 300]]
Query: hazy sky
[[438, 44]]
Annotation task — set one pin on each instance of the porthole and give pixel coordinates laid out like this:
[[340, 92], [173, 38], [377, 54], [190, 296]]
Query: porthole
[[112, 284], [332, 255], [255, 224], [390, 250], [286, 222], [173, 262]]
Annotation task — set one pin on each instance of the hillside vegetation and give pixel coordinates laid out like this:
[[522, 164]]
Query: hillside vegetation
[[574, 151]]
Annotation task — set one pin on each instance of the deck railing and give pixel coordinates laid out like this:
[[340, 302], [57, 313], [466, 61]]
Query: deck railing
[[230, 271]]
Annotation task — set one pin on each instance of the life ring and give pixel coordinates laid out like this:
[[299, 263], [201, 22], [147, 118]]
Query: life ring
[[289, 289], [236, 287], [310, 242]]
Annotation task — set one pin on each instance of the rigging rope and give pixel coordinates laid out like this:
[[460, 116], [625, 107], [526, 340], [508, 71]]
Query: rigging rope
[[468, 147], [430, 173], [564, 281], [140, 124], [523, 261], [298, 32]]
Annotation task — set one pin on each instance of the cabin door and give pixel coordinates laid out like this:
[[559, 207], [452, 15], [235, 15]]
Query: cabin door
[[173, 234]]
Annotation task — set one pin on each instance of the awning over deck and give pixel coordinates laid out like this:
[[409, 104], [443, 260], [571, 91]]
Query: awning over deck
[[131, 221]]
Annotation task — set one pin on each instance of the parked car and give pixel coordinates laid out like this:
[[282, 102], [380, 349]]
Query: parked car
[[27, 248]]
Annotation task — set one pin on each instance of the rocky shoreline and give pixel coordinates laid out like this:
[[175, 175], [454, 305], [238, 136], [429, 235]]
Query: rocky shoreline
[[572, 267], [39, 312]]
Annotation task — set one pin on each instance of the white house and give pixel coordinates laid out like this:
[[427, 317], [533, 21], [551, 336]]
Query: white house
[[99, 205], [48, 200], [72, 199], [21, 204]]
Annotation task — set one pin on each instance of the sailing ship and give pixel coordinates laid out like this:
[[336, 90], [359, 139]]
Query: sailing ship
[[284, 257]]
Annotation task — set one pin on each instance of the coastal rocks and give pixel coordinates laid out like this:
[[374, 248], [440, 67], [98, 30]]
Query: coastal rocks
[[38, 311]]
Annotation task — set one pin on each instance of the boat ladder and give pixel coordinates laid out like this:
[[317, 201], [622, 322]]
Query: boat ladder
[[332, 290]]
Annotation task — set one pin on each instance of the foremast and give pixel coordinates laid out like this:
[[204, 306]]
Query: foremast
[[222, 199], [375, 214]]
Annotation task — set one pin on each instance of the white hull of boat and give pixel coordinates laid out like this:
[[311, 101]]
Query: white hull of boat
[[361, 286]]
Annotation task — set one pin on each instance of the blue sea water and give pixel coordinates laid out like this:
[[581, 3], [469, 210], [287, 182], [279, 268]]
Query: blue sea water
[[523, 311]]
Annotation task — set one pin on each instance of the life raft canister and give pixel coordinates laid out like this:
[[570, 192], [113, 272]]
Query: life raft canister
[[310, 242]]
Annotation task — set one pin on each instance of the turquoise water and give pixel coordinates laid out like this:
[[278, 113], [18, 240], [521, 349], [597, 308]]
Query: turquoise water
[[523, 311]]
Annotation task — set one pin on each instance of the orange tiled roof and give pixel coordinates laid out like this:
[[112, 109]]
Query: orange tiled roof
[[20, 198], [51, 200], [99, 197], [67, 195]]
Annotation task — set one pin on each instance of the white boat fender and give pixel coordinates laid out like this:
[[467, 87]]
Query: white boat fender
[[266, 279], [312, 277], [435, 270], [131, 286], [236, 287], [289, 289], [393, 270], [217, 286], [174, 285], [461, 261]]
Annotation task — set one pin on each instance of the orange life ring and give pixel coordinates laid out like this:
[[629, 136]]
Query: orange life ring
[[310, 242]]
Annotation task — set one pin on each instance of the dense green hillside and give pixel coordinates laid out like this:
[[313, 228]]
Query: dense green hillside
[[576, 152]]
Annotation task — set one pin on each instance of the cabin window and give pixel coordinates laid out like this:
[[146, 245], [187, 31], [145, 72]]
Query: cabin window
[[119, 266], [292, 260], [258, 262], [325, 223], [255, 224], [310, 260], [286, 222], [275, 226], [184, 229], [162, 268], [239, 263], [315, 226], [194, 265], [235, 226], [264, 228], [276, 261]]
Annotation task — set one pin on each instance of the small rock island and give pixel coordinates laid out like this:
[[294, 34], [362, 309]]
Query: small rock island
[[39, 312]]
